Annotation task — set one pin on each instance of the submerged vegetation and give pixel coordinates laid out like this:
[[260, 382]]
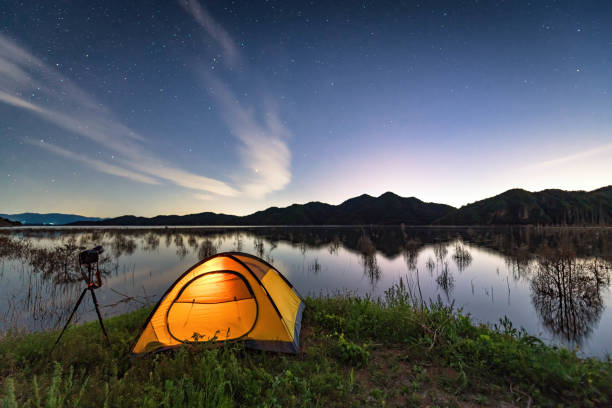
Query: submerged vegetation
[[355, 351]]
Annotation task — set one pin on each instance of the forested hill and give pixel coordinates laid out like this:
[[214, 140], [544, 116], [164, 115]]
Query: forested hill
[[547, 207], [47, 218], [387, 209], [513, 207], [8, 223]]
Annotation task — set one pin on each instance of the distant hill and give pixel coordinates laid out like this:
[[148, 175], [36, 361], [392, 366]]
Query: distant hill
[[47, 219], [205, 218], [8, 223], [387, 209], [513, 207], [547, 207]]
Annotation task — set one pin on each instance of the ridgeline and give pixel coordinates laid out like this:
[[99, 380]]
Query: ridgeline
[[513, 207], [8, 223]]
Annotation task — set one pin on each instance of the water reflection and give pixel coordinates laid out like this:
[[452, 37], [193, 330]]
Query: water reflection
[[446, 281], [411, 252], [565, 272], [207, 248], [462, 257], [367, 249], [567, 292]]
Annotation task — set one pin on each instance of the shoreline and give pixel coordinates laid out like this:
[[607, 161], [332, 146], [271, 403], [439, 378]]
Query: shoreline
[[354, 351]]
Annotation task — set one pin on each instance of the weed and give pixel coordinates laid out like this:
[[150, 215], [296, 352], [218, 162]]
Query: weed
[[334, 368]]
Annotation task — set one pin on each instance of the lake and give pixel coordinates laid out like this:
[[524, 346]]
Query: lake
[[553, 282]]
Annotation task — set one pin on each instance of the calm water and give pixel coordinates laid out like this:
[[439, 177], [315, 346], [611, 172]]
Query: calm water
[[555, 283]]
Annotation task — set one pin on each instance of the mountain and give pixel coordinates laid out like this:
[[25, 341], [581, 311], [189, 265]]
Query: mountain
[[8, 223], [205, 218], [47, 219], [513, 207], [547, 207], [389, 208]]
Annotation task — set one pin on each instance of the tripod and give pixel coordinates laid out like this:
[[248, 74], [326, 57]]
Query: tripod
[[89, 258]]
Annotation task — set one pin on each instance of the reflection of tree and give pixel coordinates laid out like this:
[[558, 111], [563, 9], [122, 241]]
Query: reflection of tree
[[446, 281], [566, 292], [411, 253], [122, 245], [368, 258], [269, 257], [440, 251], [462, 257], [192, 242], [238, 241], [181, 251], [430, 265], [334, 246], [315, 266], [258, 244], [151, 242], [207, 248]]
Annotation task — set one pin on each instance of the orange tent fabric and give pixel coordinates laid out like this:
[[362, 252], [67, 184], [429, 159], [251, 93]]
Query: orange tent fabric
[[228, 296]]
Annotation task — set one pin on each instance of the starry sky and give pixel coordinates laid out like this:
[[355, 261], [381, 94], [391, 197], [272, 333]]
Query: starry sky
[[175, 107]]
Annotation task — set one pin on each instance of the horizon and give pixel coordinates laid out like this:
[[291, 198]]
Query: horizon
[[304, 203], [187, 107]]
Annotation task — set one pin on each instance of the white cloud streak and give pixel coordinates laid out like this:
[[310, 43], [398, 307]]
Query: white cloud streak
[[94, 163], [576, 156], [214, 30], [263, 148], [263, 143], [69, 108], [204, 197]]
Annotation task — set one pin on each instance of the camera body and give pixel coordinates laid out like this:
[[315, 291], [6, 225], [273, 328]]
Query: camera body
[[90, 256]]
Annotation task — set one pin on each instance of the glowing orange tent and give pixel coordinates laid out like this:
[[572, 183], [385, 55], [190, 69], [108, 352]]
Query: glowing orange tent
[[228, 296]]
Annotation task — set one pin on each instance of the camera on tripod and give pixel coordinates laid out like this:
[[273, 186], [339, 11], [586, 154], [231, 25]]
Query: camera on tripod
[[89, 258]]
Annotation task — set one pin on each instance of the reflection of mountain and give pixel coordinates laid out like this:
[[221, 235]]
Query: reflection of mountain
[[521, 207], [566, 292]]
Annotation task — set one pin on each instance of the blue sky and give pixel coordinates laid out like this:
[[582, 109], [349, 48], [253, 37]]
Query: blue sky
[[187, 106]]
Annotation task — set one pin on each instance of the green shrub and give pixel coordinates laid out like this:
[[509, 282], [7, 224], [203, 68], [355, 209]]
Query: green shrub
[[349, 352], [337, 347]]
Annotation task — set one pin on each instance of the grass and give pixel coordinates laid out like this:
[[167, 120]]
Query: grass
[[355, 352]]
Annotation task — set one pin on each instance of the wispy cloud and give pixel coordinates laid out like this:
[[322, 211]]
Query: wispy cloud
[[576, 156], [263, 148], [204, 197], [214, 30], [96, 164], [263, 142], [69, 108]]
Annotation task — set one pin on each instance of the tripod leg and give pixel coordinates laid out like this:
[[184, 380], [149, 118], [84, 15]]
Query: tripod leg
[[76, 306], [95, 300]]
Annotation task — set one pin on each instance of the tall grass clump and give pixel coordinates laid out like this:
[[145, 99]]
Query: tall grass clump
[[355, 351], [479, 353]]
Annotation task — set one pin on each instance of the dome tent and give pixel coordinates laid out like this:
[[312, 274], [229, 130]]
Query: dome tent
[[228, 296]]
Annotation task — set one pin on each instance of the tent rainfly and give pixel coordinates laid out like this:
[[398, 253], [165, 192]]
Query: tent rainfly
[[228, 296]]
